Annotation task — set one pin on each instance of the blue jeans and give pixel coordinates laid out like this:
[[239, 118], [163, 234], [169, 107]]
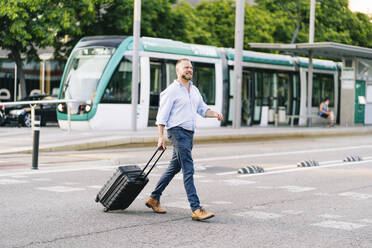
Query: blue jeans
[[182, 142]]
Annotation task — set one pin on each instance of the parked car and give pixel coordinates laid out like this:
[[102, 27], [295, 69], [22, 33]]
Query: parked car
[[21, 114], [2, 115]]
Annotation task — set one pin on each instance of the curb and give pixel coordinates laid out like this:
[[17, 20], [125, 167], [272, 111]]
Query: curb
[[102, 143], [151, 141]]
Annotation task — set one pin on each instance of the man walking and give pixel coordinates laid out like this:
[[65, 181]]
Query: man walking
[[179, 104]]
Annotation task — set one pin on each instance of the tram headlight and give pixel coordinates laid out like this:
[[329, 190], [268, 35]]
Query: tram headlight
[[60, 107], [87, 108]]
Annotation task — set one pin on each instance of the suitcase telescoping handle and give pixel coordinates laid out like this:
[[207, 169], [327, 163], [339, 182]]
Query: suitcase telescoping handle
[[160, 148]]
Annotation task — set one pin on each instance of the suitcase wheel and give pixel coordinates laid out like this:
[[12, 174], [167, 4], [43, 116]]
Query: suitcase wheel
[[97, 199], [105, 210]]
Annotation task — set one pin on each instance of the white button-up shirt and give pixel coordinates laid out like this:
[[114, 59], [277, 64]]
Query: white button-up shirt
[[178, 107]]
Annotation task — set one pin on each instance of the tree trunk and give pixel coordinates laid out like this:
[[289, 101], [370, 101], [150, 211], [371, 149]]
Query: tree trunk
[[20, 73]]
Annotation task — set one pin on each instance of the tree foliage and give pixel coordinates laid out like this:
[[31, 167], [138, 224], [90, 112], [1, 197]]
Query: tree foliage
[[27, 25], [334, 21]]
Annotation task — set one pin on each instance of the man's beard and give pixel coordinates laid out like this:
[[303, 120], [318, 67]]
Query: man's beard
[[187, 76]]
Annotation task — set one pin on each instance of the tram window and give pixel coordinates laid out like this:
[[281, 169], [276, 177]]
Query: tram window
[[171, 72], [119, 89], [84, 72], [205, 79], [283, 90], [323, 86], [156, 83]]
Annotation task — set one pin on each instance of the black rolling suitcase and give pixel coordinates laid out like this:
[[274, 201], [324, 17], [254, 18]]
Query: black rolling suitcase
[[125, 185]]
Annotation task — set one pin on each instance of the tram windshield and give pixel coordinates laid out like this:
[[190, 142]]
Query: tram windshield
[[84, 72]]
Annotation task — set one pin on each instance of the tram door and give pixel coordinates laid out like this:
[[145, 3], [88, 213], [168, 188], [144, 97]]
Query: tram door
[[162, 73], [272, 90]]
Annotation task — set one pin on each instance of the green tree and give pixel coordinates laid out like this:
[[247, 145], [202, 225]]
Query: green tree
[[333, 22], [213, 23], [27, 25], [158, 19]]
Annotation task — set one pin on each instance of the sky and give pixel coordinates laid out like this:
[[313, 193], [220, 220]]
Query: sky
[[364, 6]]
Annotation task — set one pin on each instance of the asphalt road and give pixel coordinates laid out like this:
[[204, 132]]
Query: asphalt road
[[325, 206]]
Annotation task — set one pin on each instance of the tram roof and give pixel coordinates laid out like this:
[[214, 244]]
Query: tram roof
[[262, 58], [284, 60], [320, 64], [323, 49], [109, 41], [178, 47]]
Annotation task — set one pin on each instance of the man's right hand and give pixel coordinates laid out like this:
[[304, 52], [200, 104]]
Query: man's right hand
[[161, 142]]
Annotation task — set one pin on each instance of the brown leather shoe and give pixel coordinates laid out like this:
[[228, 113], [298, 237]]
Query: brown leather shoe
[[155, 205], [201, 214]]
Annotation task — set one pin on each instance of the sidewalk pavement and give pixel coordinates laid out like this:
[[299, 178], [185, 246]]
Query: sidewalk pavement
[[20, 140]]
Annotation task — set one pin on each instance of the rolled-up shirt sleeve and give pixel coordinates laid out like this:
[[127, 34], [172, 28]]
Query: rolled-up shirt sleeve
[[165, 107], [202, 107]]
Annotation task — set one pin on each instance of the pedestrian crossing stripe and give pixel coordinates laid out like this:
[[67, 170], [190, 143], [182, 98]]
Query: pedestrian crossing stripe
[[292, 212], [259, 215], [296, 189], [11, 181], [348, 226], [355, 195], [330, 216], [237, 182], [61, 189]]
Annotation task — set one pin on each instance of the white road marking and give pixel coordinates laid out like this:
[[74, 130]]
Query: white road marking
[[277, 168], [258, 207], [205, 181], [237, 182], [303, 169], [180, 176], [292, 212], [259, 215], [227, 173], [322, 194], [42, 179], [61, 189], [221, 202], [296, 189], [63, 169], [95, 186], [71, 183], [339, 225], [264, 187], [19, 176], [11, 181], [106, 169], [261, 155], [181, 204], [330, 216], [368, 221], [355, 195]]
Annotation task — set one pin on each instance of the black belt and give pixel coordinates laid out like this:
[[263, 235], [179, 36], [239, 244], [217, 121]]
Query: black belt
[[189, 131]]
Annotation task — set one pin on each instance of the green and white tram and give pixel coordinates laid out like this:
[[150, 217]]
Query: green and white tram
[[98, 74], [279, 82]]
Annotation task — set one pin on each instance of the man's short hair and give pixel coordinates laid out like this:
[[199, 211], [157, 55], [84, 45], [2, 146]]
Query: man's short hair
[[181, 60]]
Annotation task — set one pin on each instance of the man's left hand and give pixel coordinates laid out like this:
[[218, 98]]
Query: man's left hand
[[219, 116]]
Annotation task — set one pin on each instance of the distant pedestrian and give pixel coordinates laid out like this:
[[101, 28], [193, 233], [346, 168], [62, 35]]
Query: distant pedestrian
[[325, 112], [179, 104]]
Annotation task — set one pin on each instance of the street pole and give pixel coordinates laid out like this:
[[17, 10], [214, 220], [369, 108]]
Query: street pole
[[35, 147], [135, 61], [42, 90], [239, 35], [310, 69], [312, 20], [309, 88]]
